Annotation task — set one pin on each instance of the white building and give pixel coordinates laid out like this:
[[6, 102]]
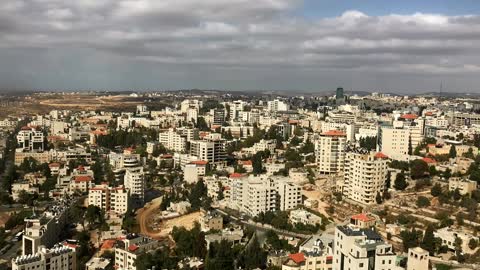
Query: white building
[[256, 194], [418, 259], [464, 186], [31, 139], [135, 183], [194, 170], [304, 217], [211, 149], [361, 249], [277, 105], [365, 176], [330, 151], [132, 246], [59, 257], [107, 198]]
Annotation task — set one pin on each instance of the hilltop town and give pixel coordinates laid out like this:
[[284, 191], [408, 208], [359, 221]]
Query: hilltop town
[[232, 180]]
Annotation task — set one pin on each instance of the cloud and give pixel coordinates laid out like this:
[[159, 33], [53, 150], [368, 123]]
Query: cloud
[[242, 34]]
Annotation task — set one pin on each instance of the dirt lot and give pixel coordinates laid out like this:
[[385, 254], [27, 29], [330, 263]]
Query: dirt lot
[[146, 219]]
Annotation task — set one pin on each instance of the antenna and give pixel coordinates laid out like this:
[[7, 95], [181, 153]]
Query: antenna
[[441, 88]]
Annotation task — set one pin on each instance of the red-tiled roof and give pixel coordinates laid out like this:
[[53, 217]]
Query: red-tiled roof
[[167, 156], [293, 122], [54, 164], [236, 175], [297, 257], [429, 160], [83, 178], [132, 247], [199, 162], [108, 244], [380, 155], [334, 133], [409, 116], [245, 162], [363, 217]]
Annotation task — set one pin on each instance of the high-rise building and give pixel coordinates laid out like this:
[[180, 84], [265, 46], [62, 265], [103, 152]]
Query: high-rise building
[[330, 151], [365, 175], [211, 149], [339, 93], [107, 198], [31, 139], [259, 194], [45, 229], [60, 257], [135, 183], [277, 106], [177, 139], [218, 116], [130, 247], [361, 249]]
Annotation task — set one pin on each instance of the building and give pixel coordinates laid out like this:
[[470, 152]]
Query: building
[[59, 257], [97, 263], [464, 186], [259, 194], [364, 176], [30, 139], [289, 194], [130, 247], [233, 236], [361, 249], [135, 183], [330, 151], [277, 106], [176, 140], [395, 142], [211, 149], [194, 170], [363, 221], [448, 237], [45, 229], [418, 259], [304, 217], [107, 198], [211, 221], [218, 116]]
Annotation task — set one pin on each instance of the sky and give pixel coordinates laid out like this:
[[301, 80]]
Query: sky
[[298, 45]]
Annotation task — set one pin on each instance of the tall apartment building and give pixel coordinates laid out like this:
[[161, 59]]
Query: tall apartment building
[[361, 249], [107, 198], [128, 249], [330, 151], [135, 183], [289, 195], [236, 107], [59, 257], [398, 140], [211, 149], [365, 175], [177, 140], [45, 229], [256, 194], [31, 139], [277, 106], [218, 116]]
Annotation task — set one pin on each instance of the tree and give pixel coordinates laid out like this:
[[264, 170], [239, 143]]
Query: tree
[[410, 238], [378, 198], [418, 168], [473, 243], [460, 219], [428, 241], [220, 256], [369, 143], [436, 190], [456, 194], [388, 181], [93, 214], [453, 152], [400, 182], [253, 256], [257, 163], [423, 201]]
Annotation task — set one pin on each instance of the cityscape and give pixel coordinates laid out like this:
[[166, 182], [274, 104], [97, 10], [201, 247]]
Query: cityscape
[[239, 134]]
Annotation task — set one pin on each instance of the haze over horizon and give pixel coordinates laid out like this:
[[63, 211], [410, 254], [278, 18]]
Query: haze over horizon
[[404, 47]]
